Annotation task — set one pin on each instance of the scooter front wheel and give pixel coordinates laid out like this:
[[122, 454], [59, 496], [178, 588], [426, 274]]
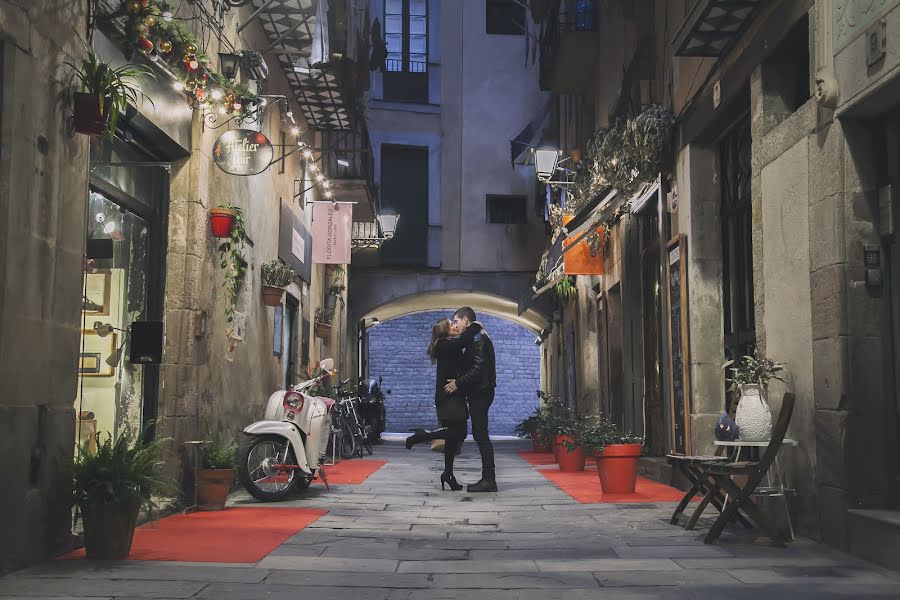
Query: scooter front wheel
[[256, 459]]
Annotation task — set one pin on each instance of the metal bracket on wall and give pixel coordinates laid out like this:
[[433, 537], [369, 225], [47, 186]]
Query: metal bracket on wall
[[162, 165]]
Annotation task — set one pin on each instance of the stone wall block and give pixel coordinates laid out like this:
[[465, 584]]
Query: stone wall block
[[831, 373], [861, 157], [826, 156], [707, 388], [829, 302], [702, 434], [826, 231], [833, 504], [831, 448]]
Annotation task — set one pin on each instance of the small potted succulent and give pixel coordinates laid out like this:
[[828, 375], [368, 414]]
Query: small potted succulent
[[222, 220], [216, 478], [110, 484], [276, 276], [104, 94], [616, 452]]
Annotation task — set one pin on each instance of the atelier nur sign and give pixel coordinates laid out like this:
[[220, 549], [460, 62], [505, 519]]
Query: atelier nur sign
[[243, 152]]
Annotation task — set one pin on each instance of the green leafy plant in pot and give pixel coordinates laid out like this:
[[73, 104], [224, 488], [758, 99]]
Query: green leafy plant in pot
[[276, 275], [556, 423], [216, 478], [528, 428], [104, 94], [336, 288], [749, 380], [571, 454], [110, 485], [617, 453]]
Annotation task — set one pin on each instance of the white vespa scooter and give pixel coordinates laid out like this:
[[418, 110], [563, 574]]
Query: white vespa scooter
[[280, 455]]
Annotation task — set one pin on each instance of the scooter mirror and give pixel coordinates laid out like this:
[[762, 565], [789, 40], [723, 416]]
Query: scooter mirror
[[327, 364]]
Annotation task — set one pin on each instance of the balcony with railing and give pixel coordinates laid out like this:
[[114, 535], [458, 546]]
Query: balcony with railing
[[570, 45]]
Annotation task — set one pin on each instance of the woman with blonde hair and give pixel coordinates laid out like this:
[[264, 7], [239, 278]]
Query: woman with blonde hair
[[446, 351]]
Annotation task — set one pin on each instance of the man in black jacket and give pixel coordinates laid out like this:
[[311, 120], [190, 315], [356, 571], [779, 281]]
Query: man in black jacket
[[477, 382]]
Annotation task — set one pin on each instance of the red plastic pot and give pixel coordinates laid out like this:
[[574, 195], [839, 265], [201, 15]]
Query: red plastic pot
[[88, 118], [617, 468], [570, 461], [221, 222], [557, 444]]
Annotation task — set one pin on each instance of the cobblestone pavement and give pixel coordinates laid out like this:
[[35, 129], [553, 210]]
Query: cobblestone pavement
[[398, 537]]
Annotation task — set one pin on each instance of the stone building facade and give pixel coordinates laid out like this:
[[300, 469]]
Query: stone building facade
[[780, 187], [149, 190]]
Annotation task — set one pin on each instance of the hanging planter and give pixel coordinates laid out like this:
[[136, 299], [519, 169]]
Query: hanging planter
[[276, 276], [88, 115], [221, 221], [323, 331], [272, 295]]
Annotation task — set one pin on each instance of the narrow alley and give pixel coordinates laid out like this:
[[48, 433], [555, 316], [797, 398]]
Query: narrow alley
[[398, 537]]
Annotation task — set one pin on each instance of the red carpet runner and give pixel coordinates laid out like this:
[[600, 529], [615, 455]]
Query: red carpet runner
[[584, 487], [351, 472], [234, 535]]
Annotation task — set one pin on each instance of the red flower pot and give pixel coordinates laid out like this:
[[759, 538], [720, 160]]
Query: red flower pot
[[557, 444], [221, 222], [570, 461], [88, 117], [617, 468]]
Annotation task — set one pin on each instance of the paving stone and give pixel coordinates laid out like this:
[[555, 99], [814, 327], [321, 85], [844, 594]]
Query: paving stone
[[669, 551], [308, 563], [25, 587], [663, 578], [804, 575], [577, 553], [469, 566], [349, 579], [226, 591], [510, 581], [142, 571], [607, 564]]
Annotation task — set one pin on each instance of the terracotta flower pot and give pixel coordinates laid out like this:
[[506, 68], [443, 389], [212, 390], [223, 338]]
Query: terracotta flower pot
[[617, 468], [109, 528], [89, 120], [221, 222], [558, 445], [570, 461], [323, 330], [272, 295], [213, 486]]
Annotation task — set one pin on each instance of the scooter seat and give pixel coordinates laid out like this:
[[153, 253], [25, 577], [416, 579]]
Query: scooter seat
[[329, 402]]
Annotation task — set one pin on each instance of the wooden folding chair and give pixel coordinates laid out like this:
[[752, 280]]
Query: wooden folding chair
[[741, 495]]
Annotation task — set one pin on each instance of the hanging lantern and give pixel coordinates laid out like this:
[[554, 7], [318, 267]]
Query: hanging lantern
[[165, 46], [145, 44]]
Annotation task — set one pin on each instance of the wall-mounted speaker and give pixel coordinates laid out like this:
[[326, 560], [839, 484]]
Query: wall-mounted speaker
[[146, 343]]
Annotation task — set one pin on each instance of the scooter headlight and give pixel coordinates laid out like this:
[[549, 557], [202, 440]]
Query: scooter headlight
[[293, 401]]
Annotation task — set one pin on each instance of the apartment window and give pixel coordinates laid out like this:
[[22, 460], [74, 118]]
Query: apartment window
[[404, 188], [504, 17], [506, 210], [406, 35]]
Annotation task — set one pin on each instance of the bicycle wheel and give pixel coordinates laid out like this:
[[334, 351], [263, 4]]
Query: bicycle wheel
[[347, 440], [367, 439]]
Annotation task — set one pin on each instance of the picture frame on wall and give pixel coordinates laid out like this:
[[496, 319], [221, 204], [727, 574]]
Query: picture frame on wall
[[97, 289], [95, 350]]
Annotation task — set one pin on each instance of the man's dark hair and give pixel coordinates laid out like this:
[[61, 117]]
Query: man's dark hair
[[465, 313]]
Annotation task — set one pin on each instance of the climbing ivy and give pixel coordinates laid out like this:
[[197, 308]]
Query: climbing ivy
[[233, 263]]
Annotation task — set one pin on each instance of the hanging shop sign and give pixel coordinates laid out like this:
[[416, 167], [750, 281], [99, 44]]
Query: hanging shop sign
[[332, 232], [243, 152]]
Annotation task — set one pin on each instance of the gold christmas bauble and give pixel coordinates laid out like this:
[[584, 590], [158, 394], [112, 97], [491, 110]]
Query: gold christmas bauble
[[165, 46], [150, 21], [134, 6], [190, 85], [191, 49]]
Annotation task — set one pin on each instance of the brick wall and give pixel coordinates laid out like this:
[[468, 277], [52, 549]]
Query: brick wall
[[397, 352]]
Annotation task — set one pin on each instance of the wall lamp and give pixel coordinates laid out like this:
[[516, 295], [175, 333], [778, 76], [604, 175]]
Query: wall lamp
[[228, 63]]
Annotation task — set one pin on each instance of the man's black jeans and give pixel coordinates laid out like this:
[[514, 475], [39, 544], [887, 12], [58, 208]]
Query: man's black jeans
[[479, 405]]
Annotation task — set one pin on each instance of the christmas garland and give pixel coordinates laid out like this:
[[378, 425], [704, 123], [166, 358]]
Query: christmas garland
[[153, 30]]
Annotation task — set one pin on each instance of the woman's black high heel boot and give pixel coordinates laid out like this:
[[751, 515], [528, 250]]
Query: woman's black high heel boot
[[450, 480], [419, 436]]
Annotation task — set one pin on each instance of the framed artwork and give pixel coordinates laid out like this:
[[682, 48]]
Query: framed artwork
[[278, 333], [95, 351], [97, 290]]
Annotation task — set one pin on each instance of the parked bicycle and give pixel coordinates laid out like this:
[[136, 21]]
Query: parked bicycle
[[353, 435]]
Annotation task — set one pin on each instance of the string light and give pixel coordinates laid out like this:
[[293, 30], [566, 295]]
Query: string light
[[217, 94], [296, 131], [178, 86]]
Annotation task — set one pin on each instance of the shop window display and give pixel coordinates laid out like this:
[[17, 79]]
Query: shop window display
[[110, 389]]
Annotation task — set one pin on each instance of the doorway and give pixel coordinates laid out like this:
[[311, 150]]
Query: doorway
[[655, 434], [289, 342]]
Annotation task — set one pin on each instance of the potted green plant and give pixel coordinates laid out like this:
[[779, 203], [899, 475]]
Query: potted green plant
[[216, 478], [336, 288], [565, 289], [571, 455], [276, 276], [109, 487], [528, 428], [616, 452], [323, 323], [222, 220], [750, 379], [104, 94]]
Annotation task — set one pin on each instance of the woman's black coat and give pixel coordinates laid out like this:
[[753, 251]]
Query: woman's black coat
[[449, 355]]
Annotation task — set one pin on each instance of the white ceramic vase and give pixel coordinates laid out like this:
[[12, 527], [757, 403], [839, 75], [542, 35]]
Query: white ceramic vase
[[753, 416]]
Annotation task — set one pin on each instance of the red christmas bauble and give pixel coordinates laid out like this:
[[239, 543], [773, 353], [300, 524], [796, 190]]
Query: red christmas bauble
[[145, 44]]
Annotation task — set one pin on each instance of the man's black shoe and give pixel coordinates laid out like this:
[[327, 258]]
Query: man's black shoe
[[485, 485]]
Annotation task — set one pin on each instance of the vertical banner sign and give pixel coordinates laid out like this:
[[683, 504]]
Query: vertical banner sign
[[332, 230]]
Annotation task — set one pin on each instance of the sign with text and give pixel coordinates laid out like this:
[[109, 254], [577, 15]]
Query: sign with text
[[293, 242], [332, 231], [243, 152]]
